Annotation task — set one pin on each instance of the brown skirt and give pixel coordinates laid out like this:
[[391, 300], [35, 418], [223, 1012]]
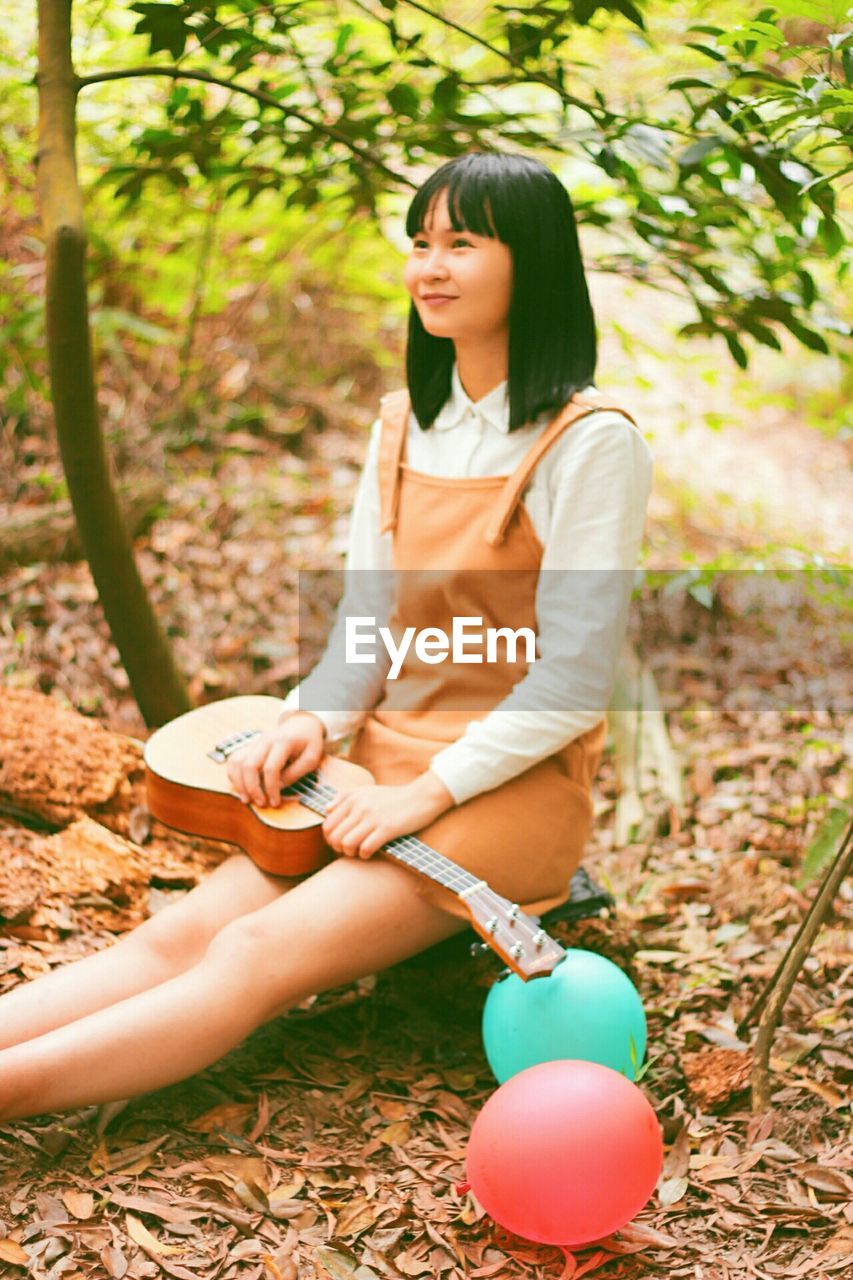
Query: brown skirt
[[524, 837]]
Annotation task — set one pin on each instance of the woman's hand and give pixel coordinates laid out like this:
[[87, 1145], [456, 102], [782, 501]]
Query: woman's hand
[[361, 821], [259, 771]]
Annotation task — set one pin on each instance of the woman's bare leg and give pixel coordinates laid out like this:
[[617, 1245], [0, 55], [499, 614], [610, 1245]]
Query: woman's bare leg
[[161, 947], [349, 919]]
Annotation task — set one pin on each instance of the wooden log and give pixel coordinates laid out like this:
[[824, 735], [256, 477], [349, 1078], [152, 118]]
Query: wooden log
[[49, 532], [58, 765]]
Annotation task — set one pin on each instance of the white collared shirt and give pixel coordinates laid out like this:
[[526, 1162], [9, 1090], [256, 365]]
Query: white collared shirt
[[587, 502]]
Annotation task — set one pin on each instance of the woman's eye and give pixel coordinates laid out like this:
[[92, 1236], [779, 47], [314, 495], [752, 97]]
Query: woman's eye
[[416, 244]]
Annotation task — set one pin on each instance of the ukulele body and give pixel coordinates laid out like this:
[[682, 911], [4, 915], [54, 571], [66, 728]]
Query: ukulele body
[[186, 780], [187, 786]]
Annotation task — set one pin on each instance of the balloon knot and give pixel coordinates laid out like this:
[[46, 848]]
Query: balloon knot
[[462, 1188]]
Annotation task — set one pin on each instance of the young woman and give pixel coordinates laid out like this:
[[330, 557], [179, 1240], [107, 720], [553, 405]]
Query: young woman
[[496, 485]]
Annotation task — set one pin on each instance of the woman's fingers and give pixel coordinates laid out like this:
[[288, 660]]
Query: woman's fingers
[[256, 768], [335, 820], [260, 772], [251, 776], [307, 759], [351, 839], [371, 843], [344, 818], [277, 773], [234, 768], [352, 828]]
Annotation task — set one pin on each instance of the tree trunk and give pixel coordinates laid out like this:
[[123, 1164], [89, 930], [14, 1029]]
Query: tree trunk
[[158, 687]]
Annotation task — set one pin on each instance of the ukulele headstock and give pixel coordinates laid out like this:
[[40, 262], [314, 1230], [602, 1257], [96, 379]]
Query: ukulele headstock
[[517, 939]]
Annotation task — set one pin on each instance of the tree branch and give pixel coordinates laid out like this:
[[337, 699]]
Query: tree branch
[[779, 987], [259, 95], [568, 98]]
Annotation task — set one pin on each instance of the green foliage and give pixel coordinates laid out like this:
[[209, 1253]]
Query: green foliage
[[22, 369], [166, 26], [826, 586], [727, 184], [710, 155], [823, 848]]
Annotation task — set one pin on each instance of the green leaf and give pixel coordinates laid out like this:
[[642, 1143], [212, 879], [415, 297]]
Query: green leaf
[[828, 12], [649, 143], [756, 37], [807, 337], [809, 288], [847, 64], [761, 332], [524, 40], [831, 235], [822, 849], [697, 151], [738, 353], [446, 94], [702, 593], [628, 10], [165, 26], [404, 100], [690, 82], [109, 320], [708, 52], [343, 38]]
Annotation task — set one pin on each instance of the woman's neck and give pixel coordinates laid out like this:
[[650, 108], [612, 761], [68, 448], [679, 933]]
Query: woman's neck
[[480, 369]]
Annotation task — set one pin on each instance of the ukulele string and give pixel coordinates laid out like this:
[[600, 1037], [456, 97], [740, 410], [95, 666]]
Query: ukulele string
[[422, 856], [309, 786], [325, 792]]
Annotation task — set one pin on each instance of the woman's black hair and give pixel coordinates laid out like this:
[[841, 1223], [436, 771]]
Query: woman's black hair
[[552, 339]]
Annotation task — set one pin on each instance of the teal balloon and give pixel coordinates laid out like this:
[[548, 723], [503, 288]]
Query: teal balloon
[[586, 1008]]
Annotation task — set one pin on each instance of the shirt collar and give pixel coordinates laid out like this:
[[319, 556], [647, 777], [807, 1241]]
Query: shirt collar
[[493, 408]]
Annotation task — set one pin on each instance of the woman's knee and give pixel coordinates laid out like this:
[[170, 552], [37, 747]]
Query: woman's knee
[[173, 937], [181, 932], [242, 942]]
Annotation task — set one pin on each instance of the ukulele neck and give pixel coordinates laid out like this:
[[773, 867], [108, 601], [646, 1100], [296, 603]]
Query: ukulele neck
[[412, 852], [515, 936]]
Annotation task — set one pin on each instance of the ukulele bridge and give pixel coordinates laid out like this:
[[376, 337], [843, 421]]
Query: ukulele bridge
[[227, 746]]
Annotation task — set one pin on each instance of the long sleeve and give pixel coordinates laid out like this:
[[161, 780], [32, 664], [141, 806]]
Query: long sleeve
[[600, 487], [338, 692]]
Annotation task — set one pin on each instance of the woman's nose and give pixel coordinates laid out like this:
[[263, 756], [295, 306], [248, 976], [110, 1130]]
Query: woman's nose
[[434, 263]]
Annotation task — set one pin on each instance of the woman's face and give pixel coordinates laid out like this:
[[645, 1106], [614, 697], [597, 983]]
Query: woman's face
[[474, 272]]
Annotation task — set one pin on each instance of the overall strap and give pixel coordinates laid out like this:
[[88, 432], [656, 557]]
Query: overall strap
[[394, 412], [578, 407]]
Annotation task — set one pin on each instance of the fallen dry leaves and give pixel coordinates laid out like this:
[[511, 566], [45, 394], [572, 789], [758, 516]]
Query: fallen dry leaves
[[331, 1143]]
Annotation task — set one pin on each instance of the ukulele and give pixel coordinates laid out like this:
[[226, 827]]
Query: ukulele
[[188, 788]]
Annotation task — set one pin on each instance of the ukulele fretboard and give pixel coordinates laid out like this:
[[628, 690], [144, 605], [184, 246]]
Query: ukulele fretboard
[[317, 795]]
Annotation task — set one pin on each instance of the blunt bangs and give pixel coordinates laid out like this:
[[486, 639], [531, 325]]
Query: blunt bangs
[[552, 337]]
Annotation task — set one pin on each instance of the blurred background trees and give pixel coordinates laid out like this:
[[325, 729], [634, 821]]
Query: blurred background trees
[[244, 169]]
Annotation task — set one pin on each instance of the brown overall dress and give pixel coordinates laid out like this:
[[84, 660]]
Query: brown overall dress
[[527, 835]]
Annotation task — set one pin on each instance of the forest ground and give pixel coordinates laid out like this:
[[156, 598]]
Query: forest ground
[[331, 1143]]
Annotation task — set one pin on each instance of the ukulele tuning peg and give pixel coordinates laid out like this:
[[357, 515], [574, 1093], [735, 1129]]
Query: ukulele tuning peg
[[539, 938], [492, 924], [516, 951], [514, 909]]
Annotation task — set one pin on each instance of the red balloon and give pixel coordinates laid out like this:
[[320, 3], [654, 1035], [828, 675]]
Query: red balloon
[[565, 1152]]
